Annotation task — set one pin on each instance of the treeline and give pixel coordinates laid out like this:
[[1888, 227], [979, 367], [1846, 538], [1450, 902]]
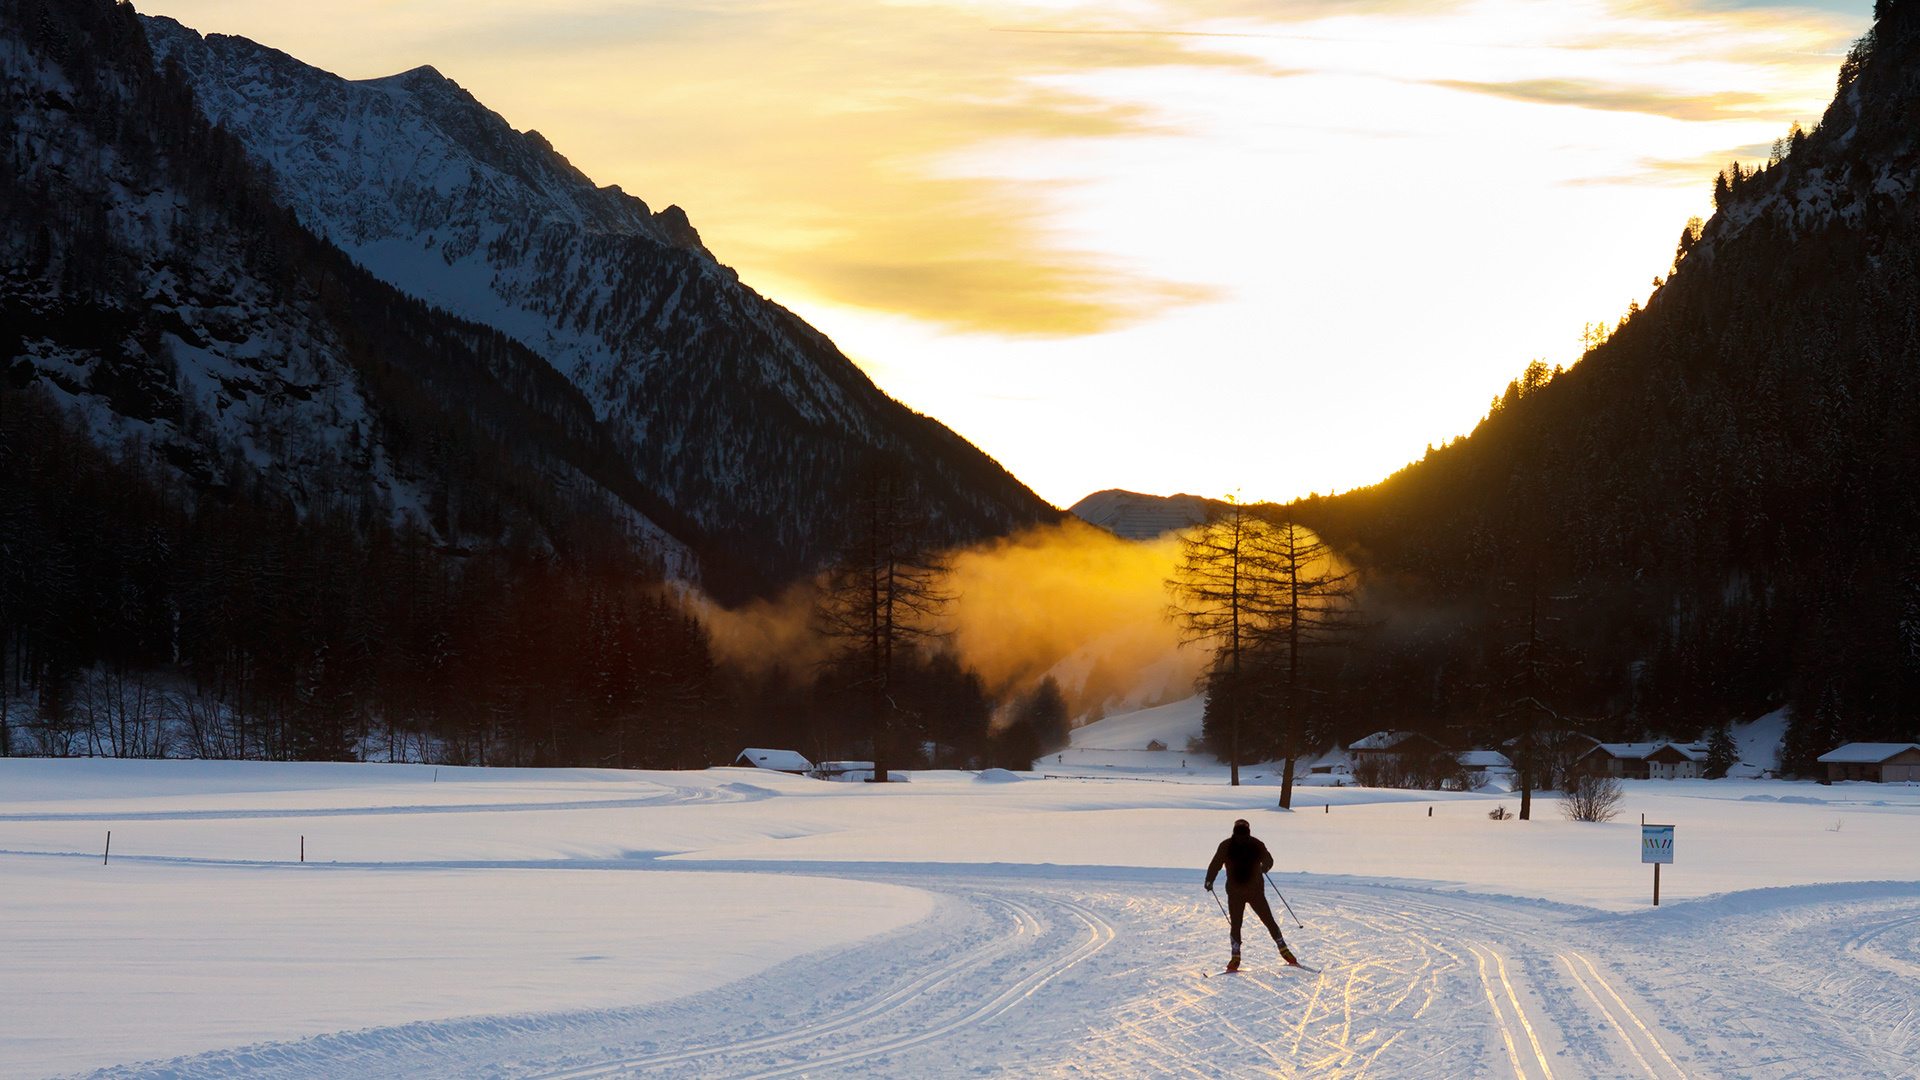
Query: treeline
[[1714, 514], [138, 617], [143, 617]]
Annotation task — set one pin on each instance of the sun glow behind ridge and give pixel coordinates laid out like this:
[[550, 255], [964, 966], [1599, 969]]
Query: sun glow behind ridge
[[1274, 247]]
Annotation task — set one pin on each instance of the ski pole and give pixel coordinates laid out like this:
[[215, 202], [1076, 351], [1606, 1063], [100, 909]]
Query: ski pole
[[1218, 904], [1284, 904]]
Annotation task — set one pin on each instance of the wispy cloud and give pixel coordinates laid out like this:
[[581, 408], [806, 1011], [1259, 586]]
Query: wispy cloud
[[1712, 106]]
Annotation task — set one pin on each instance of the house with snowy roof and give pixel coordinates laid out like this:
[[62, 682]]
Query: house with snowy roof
[[1886, 763], [786, 761], [1646, 760]]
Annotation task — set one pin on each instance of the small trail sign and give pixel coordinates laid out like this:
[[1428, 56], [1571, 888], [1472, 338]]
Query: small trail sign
[[1656, 847], [1656, 843]]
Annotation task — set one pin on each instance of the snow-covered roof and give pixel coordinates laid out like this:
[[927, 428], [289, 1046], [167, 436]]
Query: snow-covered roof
[[1386, 740], [1484, 759], [845, 766], [1640, 751], [1866, 753], [1631, 751], [777, 760]]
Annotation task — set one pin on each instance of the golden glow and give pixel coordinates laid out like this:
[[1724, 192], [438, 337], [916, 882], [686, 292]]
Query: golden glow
[[1032, 599], [1022, 604], [1274, 246]]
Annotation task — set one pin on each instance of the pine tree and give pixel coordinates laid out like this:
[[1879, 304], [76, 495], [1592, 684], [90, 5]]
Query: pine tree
[[1722, 754]]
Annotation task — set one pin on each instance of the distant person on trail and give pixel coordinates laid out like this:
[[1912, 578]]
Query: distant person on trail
[[1246, 860]]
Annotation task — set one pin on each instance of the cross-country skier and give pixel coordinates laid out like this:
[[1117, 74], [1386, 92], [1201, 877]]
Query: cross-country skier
[[1246, 860]]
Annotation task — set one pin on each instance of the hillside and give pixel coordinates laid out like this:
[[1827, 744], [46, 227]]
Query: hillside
[[1715, 512], [739, 415]]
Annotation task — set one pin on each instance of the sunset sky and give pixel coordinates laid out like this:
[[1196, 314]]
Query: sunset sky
[[1264, 247]]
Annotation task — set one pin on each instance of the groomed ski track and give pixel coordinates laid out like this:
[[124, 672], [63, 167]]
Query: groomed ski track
[[1096, 972]]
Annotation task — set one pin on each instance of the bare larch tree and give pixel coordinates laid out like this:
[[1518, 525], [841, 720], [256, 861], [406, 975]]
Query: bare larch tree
[[1217, 589], [1306, 603], [882, 597]]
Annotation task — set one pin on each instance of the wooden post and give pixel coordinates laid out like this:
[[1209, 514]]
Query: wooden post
[[109, 850], [303, 848], [1429, 811], [1656, 884]]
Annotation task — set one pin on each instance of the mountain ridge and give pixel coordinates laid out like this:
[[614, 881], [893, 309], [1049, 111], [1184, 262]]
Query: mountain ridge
[[739, 414]]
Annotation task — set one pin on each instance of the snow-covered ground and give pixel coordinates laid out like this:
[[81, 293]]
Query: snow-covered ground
[[577, 923]]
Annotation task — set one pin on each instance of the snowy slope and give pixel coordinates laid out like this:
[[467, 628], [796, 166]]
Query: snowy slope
[[742, 416], [155, 290], [526, 924]]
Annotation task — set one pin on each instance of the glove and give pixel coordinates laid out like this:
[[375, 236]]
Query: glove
[[1209, 886]]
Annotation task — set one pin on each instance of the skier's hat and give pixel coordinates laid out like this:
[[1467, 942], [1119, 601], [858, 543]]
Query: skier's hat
[[1240, 826]]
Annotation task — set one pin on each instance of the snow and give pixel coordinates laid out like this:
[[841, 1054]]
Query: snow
[[1758, 744], [737, 922]]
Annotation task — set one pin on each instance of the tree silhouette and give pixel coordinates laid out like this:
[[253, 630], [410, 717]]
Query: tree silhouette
[[880, 600], [1307, 603], [1219, 587]]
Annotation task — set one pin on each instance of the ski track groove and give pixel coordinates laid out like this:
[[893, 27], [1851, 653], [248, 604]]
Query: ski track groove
[[1506, 1031], [1612, 1020], [1520, 1012], [1626, 1009]]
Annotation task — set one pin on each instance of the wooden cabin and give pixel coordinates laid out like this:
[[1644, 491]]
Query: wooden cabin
[[1885, 763]]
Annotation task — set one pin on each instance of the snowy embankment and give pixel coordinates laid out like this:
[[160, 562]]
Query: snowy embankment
[[565, 917]]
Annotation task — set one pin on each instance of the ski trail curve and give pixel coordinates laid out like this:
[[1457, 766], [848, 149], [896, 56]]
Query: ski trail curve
[[1026, 927]]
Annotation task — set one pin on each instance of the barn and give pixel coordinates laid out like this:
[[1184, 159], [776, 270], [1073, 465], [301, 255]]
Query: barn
[[1887, 763]]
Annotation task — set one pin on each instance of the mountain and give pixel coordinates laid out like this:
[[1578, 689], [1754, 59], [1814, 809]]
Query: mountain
[[1133, 516], [743, 418], [157, 291], [1717, 510], [256, 502]]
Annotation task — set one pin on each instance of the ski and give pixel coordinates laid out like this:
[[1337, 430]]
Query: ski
[[1234, 971]]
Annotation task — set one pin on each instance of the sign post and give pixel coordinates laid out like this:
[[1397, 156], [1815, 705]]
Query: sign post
[[1656, 847]]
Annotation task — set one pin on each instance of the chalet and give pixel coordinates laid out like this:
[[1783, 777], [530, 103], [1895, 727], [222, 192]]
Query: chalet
[[1887, 763], [786, 761], [1677, 761], [1644, 760]]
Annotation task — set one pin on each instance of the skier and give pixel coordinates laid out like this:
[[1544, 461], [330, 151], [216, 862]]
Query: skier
[[1246, 860]]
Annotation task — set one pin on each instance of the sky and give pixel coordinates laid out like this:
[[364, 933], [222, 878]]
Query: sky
[[1248, 247]]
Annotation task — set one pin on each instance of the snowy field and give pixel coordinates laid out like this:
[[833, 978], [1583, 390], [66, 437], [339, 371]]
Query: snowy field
[[539, 925]]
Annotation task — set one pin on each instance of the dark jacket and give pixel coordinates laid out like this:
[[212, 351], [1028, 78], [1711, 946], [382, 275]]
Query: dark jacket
[[1244, 858]]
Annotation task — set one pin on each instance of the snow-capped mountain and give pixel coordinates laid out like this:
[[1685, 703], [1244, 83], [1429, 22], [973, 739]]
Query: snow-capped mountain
[[158, 292], [740, 415]]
